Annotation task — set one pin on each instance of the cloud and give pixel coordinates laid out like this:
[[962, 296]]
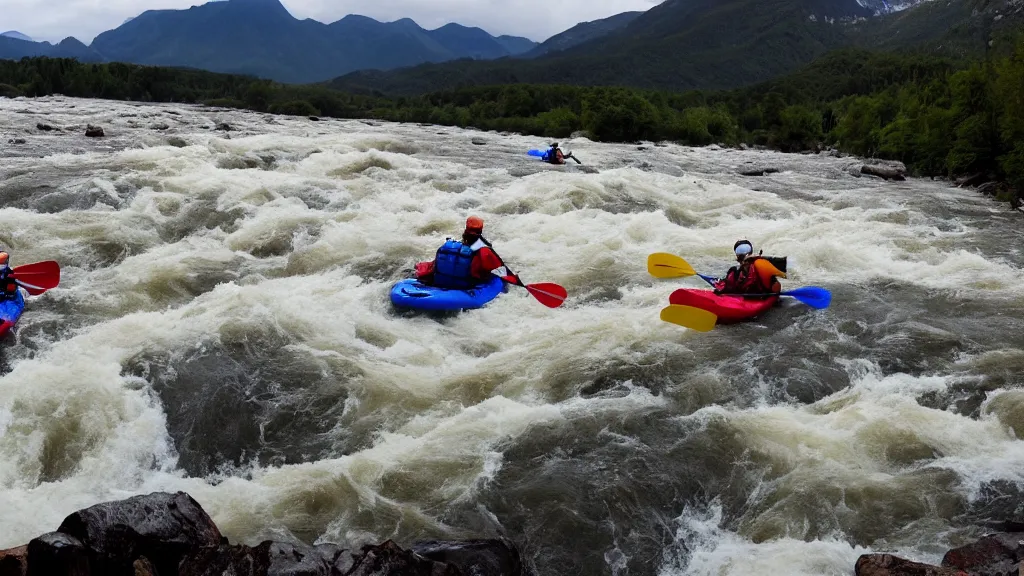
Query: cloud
[[54, 20]]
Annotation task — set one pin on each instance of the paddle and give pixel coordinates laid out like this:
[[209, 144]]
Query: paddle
[[38, 277], [664, 265], [689, 317], [813, 296], [547, 293]]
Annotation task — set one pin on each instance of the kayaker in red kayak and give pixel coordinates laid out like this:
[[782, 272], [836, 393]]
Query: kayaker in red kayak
[[461, 264], [8, 288], [756, 274]]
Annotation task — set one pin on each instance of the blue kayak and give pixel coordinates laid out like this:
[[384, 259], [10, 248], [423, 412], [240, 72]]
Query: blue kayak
[[542, 154], [10, 312], [414, 294]]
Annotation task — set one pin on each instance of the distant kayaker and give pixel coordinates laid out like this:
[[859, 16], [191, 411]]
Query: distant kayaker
[[461, 264], [756, 274], [554, 155], [8, 288]]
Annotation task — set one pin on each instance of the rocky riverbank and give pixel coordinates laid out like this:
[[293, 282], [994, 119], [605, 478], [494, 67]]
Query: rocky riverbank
[[996, 554], [164, 534]]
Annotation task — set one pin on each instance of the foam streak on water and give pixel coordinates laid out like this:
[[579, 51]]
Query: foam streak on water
[[223, 327]]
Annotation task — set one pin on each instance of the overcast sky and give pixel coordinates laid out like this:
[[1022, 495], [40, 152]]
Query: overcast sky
[[54, 20]]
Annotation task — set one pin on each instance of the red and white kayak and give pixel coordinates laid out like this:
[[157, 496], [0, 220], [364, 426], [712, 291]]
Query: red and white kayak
[[728, 308]]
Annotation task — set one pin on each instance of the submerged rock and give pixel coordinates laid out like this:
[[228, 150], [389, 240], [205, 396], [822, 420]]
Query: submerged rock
[[476, 557], [883, 172], [758, 171]]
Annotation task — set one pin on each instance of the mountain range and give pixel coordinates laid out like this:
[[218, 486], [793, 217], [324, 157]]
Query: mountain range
[[719, 44], [261, 38], [676, 45]]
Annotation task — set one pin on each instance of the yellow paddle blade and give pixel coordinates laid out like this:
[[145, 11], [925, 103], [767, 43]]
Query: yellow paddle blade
[[663, 265], [689, 317]]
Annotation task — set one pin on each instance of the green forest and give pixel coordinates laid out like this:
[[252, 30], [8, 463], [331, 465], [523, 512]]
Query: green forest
[[940, 117]]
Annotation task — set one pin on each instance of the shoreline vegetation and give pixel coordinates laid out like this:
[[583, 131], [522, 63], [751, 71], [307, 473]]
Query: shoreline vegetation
[[959, 120]]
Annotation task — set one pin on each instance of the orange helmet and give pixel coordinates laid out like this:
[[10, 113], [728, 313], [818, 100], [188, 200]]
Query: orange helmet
[[4, 258], [475, 224]]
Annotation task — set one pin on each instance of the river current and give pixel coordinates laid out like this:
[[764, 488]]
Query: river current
[[223, 327]]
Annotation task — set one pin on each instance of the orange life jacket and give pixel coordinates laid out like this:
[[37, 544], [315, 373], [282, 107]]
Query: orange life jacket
[[759, 278]]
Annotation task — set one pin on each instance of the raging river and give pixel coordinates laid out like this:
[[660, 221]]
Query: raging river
[[223, 327]]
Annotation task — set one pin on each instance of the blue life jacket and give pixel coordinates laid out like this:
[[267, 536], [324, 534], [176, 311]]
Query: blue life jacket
[[8, 288], [452, 266]]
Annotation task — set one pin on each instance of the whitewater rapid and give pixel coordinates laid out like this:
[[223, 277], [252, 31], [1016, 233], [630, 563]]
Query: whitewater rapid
[[223, 327]]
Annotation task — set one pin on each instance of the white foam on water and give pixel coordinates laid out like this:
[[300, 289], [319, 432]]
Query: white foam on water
[[308, 244]]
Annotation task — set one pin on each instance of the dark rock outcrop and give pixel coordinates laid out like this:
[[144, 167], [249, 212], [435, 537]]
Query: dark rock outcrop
[[889, 565], [13, 560], [57, 554], [162, 527], [267, 559], [163, 534], [94, 131], [993, 555]]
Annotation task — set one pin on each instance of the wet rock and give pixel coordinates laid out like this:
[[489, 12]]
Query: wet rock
[[160, 526], [177, 142], [989, 188], [44, 127], [224, 126], [476, 557], [479, 141], [94, 131], [882, 172], [16, 141], [267, 559], [388, 559], [57, 553], [972, 180], [758, 171], [993, 555], [889, 565], [341, 560], [160, 126], [12, 561], [314, 118]]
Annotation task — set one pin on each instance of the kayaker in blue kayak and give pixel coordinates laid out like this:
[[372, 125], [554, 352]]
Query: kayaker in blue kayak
[[463, 264], [554, 155], [756, 274], [8, 287]]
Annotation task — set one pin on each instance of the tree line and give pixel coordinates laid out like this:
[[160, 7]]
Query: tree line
[[939, 117]]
